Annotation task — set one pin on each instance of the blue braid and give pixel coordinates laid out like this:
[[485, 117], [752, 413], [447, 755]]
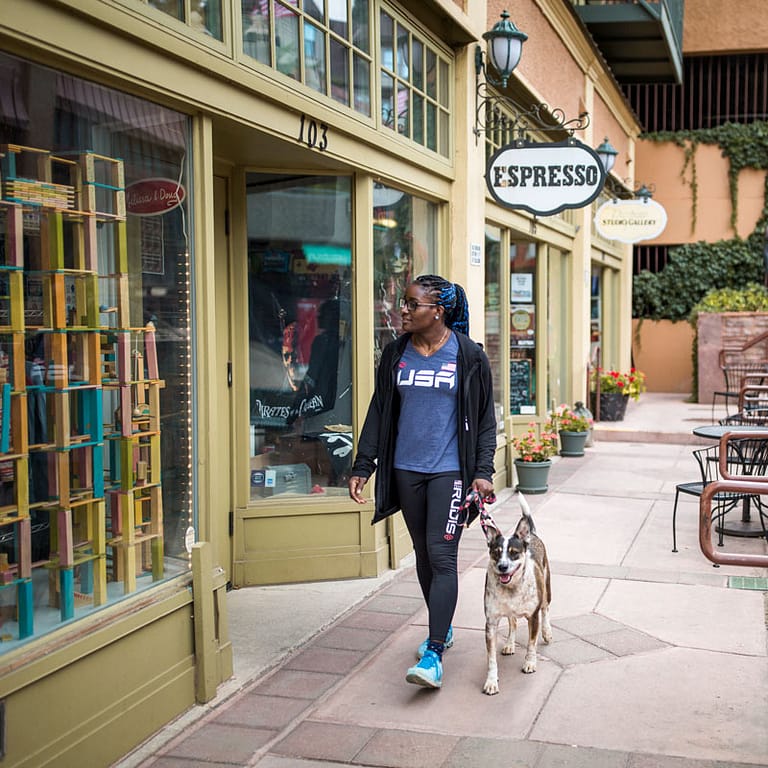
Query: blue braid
[[451, 297]]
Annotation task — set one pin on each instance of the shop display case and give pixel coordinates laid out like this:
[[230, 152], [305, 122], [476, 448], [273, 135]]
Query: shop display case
[[68, 353]]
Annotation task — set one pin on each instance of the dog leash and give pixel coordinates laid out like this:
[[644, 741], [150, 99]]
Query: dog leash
[[474, 499]]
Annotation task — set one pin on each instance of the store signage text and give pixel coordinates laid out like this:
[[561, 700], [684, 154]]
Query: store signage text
[[630, 221], [545, 178], [153, 197], [313, 134]]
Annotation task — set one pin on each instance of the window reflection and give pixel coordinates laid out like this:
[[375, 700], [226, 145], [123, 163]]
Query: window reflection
[[95, 347], [313, 42], [299, 268], [414, 87], [493, 313], [204, 15], [404, 247]]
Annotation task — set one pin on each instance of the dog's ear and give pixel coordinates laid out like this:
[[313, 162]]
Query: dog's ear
[[490, 531], [524, 529]]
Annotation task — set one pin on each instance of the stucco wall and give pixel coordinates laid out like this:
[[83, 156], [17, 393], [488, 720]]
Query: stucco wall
[[662, 350], [662, 165], [711, 26], [542, 48]]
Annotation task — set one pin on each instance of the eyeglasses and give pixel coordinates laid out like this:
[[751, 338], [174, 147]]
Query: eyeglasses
[[412, 305]]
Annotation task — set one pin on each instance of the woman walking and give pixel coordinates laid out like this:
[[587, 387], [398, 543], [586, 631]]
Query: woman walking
[[430, 434]]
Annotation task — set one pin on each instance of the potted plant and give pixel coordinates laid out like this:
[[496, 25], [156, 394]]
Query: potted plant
[[572, 427], [615, 389], [535, 448]]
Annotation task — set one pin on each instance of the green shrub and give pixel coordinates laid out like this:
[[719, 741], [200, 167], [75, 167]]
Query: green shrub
[[693, 270], [752, 298]]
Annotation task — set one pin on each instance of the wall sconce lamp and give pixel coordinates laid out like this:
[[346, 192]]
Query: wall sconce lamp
[[645, 193], [505, 47], [607, 154]]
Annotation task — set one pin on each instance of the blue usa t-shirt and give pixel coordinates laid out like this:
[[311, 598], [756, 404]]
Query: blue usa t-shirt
[[427, 439]]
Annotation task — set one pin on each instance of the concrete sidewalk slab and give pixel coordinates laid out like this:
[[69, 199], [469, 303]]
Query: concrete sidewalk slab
[[692, 616], [673, 702]]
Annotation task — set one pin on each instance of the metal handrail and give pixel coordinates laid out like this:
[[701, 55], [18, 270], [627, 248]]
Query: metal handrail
[[752, 485]]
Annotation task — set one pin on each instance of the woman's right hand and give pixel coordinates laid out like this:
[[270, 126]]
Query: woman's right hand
[[356, 485]]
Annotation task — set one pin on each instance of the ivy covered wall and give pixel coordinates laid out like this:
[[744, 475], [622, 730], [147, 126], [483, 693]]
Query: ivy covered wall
[[696, 268]]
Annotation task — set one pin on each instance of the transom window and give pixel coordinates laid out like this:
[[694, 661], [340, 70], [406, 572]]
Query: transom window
[[415, 86], [325, 44], [200, 15]]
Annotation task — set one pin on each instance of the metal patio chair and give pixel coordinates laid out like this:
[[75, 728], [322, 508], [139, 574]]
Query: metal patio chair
[[736, 376], [746, 456]]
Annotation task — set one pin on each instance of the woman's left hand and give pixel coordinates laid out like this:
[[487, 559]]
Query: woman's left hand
[[483, 487]]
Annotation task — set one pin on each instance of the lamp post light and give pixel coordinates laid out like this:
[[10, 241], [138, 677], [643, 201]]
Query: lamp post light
[[644, 193], [607, 154], [505, 47]]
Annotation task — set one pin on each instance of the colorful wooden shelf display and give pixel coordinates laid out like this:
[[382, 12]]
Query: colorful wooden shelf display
[[94, 381]]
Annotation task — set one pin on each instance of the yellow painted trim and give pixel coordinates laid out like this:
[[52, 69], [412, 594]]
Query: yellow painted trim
[[202, 155], [65, 646], [238, 243]]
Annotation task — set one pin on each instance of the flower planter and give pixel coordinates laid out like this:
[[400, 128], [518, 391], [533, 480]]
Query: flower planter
[[613, 406], [532, 476], [572, 443]]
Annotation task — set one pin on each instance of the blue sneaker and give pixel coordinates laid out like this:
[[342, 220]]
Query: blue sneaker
[[422, 649], [428, 672]]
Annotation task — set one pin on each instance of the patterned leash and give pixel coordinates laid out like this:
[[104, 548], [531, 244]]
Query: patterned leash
[[474, 500]]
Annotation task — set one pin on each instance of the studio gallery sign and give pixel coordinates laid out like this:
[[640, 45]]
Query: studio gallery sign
[[630, 221], [545, 178]]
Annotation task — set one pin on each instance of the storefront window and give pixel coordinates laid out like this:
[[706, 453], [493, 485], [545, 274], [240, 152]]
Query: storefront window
[[325, 46], [493, 339], [522, 328], [95, 347], [404, 247], [299, 273]]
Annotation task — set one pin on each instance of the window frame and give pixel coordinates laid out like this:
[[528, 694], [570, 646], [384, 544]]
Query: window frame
[[443, 56]]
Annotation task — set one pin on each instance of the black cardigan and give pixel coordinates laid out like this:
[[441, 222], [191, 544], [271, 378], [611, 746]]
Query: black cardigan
[[476, 428]]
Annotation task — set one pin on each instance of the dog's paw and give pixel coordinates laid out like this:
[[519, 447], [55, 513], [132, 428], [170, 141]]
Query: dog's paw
[[529, 665], [546, 635], [491, 687], [508, 649]]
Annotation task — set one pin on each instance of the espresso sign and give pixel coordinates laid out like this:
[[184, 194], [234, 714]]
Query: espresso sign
[[630, 221], [545, 178]]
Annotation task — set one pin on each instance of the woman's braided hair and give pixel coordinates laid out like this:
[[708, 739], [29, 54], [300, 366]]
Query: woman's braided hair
[[451, 297]]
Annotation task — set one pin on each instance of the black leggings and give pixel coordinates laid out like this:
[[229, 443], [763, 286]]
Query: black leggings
[[430, 505]]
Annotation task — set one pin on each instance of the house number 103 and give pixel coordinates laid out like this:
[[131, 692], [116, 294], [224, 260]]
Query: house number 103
[[313, 134]]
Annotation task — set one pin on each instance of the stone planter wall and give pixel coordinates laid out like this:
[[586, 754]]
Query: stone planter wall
[[721, 330]]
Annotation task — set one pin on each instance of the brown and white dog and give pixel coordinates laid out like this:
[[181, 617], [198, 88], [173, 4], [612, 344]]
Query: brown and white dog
[[517, 584]]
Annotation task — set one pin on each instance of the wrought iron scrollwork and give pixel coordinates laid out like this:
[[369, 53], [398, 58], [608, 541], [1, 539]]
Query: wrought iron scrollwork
[[495, 112]]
